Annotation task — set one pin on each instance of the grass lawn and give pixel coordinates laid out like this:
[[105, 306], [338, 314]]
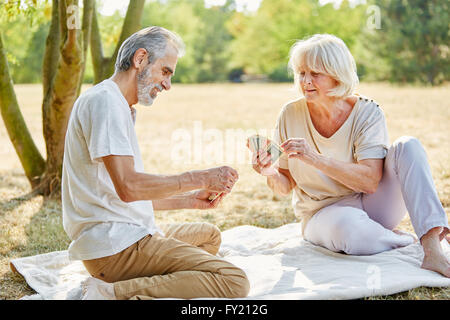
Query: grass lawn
[[180, 132]]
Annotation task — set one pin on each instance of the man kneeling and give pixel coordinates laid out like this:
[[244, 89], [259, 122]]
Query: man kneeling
[[108, 200]]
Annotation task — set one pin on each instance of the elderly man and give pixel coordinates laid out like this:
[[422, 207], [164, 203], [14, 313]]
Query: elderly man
[[108, 200]]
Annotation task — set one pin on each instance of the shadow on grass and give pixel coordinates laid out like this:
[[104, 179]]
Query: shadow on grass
[[44, 233], [15, 182], [11, 204]]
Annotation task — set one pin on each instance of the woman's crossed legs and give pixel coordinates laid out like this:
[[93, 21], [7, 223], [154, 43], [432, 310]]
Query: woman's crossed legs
[[362, 224]]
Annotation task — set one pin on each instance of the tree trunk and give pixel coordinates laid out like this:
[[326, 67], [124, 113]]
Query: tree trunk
[[62, 73], [104, 66], [88, 10], [99, 62], [30, 157], [62, 90]]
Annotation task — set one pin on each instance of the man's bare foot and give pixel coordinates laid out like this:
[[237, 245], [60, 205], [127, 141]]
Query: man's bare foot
[[434, 258], [96, 289], [404, 233]]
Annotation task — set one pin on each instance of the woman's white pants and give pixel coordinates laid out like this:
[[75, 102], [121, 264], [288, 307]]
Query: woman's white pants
[[361, 224]]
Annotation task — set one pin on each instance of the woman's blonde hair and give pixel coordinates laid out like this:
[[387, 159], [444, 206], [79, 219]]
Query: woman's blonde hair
[[325, 53]]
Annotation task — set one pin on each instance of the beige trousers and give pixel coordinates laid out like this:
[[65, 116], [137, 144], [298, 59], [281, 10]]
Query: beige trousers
[[182, 264]]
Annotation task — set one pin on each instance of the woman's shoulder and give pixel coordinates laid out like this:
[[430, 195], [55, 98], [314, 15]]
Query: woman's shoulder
[[369, 110], [366, 101], [365, 98], [293, 105], [368, 106]]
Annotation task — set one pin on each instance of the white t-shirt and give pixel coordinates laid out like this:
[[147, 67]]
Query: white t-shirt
[[362, 136], [96, 220]]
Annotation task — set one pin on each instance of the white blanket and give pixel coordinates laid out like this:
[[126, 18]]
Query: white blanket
[[279, 264]]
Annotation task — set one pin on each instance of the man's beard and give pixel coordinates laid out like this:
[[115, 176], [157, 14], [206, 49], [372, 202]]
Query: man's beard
[[144, 97]]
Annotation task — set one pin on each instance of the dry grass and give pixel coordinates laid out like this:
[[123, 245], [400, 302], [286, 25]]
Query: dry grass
[[31, 226]]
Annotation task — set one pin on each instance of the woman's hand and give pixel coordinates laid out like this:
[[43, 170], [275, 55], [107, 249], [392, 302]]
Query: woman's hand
[[199, 200], [298, 148], [262, 161]]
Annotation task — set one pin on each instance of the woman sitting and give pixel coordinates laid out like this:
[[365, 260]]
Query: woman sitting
[[351, 188]]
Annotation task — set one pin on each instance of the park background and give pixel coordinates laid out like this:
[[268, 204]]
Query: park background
[[233, 79]]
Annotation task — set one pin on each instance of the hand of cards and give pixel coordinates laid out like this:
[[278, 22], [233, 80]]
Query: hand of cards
[[258, 143]]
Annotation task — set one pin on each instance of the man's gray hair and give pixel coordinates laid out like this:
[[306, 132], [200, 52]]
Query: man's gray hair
[[154, 40]]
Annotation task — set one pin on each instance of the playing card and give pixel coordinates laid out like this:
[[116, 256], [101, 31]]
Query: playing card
[[214, 197], [257, 142], [253, 143], [275, 151], [262, 142]]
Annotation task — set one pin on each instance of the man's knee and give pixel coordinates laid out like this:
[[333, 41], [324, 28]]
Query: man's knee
[[239, 284], [215, 233], [212, 238]]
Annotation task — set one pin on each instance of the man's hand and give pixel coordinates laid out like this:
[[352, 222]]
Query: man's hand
[[220, 179], [199, 200]]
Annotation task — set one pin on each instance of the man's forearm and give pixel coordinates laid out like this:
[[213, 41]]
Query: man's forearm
[[135, 186], [142, 186], [179, 201]]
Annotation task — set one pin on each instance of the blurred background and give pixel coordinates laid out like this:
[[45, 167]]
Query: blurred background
[[403, 41]]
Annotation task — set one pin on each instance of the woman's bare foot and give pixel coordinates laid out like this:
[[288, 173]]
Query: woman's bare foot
[[434, 258], [96, 289]]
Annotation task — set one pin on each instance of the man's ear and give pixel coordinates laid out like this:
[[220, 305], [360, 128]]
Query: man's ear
[[140, 58]]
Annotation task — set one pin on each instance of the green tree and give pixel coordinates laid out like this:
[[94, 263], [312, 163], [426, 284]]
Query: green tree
[[104, 65], [414, 38], [63, 66], [211, 47], [61, 73], [26, 49], [180, 17], [263, 40], [30, 66], [204, 32]]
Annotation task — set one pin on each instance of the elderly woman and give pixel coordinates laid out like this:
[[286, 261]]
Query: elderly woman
[[351, 189]]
